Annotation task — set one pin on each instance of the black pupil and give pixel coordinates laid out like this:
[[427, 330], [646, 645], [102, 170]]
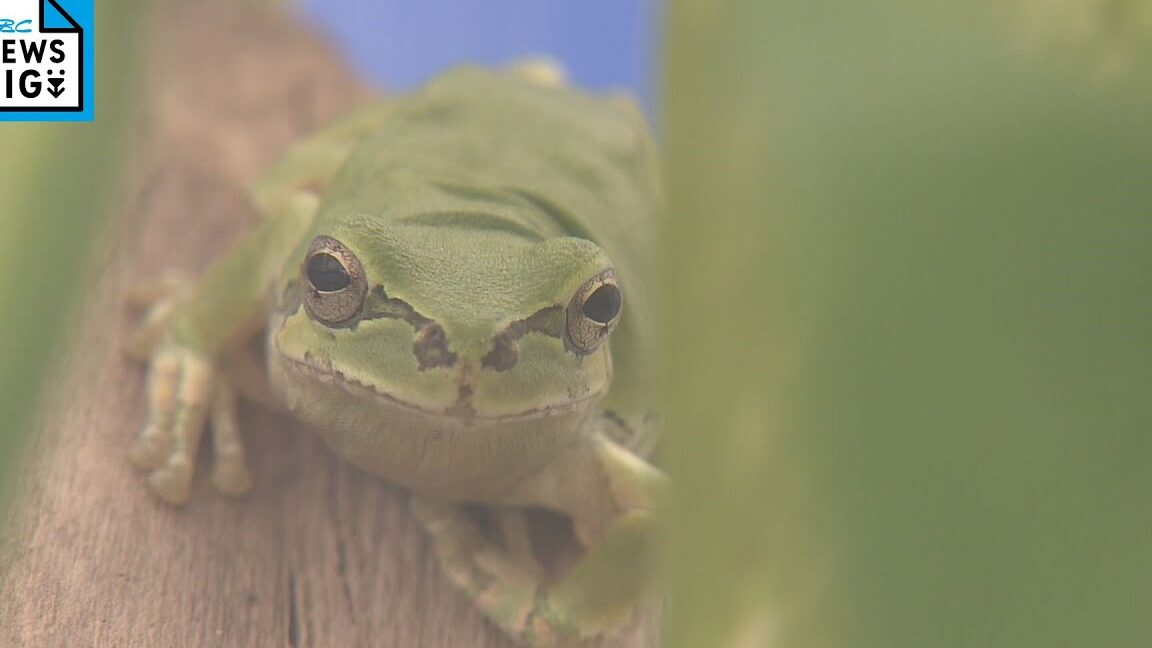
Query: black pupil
[[603, 305], [326, 274]]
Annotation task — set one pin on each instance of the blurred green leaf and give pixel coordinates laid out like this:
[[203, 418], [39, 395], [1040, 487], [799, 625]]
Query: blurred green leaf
[[58, 182], [909, 338]]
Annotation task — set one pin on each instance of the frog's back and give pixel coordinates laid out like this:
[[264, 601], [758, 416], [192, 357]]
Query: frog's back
[[575, 164], [552, 160]]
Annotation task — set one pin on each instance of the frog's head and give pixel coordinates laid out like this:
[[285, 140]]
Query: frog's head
[[472, 319]]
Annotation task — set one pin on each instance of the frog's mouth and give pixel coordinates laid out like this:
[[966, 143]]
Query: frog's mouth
[[461, 411]]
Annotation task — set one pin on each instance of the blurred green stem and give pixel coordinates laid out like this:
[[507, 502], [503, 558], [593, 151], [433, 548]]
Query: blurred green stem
[[59, 181], [908, 328]]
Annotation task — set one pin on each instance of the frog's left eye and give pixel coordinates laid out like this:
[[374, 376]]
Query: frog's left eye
[[594, 311], [335, 281]]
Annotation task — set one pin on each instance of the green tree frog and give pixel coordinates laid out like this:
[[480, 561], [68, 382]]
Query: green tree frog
[[453, 289]]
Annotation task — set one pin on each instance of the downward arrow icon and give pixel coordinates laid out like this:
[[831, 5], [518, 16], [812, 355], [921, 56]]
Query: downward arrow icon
[[55, 90]]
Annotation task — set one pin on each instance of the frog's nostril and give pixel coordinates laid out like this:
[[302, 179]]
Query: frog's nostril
[[431, 347], [502, 356]]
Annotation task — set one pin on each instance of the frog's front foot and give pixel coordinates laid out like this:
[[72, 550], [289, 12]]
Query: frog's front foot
[[593, 600], [185, 391]]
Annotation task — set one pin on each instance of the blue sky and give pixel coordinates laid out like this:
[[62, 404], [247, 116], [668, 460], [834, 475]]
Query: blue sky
[[401, 43]]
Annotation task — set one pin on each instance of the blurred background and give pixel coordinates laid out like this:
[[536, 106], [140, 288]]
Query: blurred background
[[907, 328]]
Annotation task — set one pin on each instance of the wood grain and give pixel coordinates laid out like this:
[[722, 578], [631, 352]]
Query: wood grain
[[318, 554]]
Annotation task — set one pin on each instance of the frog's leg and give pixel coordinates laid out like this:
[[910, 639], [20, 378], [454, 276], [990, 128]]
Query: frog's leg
[[310, 165], [158, 298], [189, 327], [185, 385], [612, 512], [513, 525]]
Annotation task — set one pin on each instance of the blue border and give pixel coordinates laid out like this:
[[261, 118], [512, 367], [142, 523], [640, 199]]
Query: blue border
[[81, 12]]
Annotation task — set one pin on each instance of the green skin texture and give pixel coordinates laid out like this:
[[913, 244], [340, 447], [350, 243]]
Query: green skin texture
[[476, 203]]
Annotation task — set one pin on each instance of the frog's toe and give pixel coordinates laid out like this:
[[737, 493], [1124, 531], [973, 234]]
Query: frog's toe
[[230, 472], [231, 477], [154, 444], [173, 481]]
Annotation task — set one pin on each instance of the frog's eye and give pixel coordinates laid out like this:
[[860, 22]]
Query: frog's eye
[[594, 312], [335, 283]]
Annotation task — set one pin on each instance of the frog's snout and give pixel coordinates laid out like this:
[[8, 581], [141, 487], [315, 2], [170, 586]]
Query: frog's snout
[[465, 388]]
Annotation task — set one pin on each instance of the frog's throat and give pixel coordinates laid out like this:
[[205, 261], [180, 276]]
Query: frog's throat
[[462, 410]]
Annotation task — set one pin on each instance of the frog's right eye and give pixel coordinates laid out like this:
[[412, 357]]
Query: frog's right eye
[[335, 281]]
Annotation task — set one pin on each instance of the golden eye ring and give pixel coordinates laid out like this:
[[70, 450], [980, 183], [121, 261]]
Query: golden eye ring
[[334, 281]]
